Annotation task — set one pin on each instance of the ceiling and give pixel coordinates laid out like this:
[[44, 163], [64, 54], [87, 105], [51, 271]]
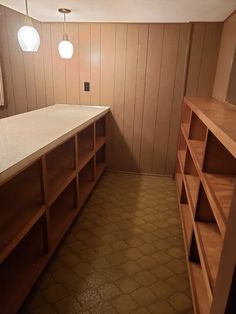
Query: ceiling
[[127, 10]]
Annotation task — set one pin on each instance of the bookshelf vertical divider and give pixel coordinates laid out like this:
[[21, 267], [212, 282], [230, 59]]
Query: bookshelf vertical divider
[[206, 188]]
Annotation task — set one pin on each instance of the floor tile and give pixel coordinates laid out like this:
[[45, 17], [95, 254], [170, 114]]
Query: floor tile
[[123, 254]]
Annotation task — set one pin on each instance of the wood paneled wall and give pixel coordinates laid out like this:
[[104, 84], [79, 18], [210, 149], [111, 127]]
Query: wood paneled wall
[[226, 56], [203, 58], [137, 69]]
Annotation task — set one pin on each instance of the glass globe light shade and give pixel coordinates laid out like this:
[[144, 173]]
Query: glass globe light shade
[[65, 49], [28, 38]]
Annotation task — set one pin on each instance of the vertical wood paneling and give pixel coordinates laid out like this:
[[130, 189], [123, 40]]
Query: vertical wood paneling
[[95, 63], [209, 59], [47, 63], [179, 85], [119, 94], [226, 55], [203, 58], [155, 44], [130, 92], [198, 37], [30, 81], [72, 66], [39, 72], [165, 99], [58, 65], [14, 22], [6, 68], [140, 93], [84, 60], [108, 40], [137, 69]]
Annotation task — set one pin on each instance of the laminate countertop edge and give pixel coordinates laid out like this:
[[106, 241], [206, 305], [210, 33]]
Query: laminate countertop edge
[[49, 126]]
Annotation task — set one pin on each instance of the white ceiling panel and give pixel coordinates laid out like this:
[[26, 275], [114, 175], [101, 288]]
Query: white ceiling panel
[[127, 10]]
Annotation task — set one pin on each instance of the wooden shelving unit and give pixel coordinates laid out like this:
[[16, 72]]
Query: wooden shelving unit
[[206, 187], [39, 204]]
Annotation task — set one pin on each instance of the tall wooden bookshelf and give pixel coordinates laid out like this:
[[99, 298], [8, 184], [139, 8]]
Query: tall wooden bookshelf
[[206, 187], [39, 204]]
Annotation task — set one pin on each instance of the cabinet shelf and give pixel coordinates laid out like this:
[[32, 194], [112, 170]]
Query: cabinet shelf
[[187, 223], [181, 156], [21, 207], [86, 181], [192, 187], [198, 149], [11, 234], [207, 167], [200, 296], [60, 167], [86, 146], [222, 188], [22, 267], [62, 213], [210, 242]]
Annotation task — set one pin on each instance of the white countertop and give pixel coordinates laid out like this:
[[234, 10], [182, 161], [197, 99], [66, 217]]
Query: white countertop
[[27, 136]]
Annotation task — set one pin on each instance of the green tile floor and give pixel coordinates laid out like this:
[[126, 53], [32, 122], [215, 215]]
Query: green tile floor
[[123, 254]]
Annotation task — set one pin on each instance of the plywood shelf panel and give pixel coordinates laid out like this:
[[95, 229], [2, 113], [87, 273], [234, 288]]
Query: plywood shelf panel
[[178, 179], [208, 127], [84, 158], [202, 301], [198, 149], [12, 234], [181, 158], [100, 141], [210, 242], [187, 223], [222, 188], [192, 187], [20, 270], [62, 183], [62, 213]]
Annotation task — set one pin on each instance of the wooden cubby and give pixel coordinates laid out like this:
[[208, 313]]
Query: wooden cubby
[[21, 268], [192, 181], [62, 212], [100, 130], [21, 207], [197, 280], [86, 145], [86, 180], [207, 201], [61, 168], [100, 160], [39, 204]]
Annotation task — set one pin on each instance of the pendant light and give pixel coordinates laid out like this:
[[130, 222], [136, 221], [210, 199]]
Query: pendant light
[[65, 47], [28, 37]]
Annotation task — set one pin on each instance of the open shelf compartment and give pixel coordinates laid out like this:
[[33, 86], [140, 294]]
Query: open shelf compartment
[[208, 235], [220, 174], [86, 181], [186, 117], [100, 161], [200, 295], [86, 145], [186, 218], [178, 177], [62, 212], [61, 168], [197, 138], [100, 126], [21, 207], [21, 268], [192, 181]]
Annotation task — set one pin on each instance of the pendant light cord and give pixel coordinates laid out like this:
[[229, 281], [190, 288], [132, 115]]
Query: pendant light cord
[[64, 23], [26, 8]]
